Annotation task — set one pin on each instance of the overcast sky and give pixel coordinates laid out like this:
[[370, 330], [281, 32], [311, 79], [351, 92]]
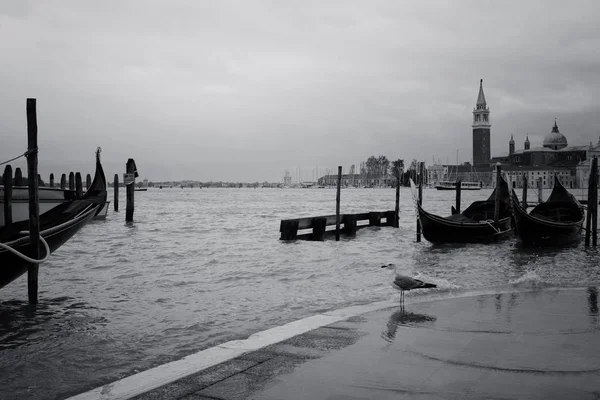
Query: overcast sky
[[243, 90]]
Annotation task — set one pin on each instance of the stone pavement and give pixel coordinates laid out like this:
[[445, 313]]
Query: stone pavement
[[540, 344]]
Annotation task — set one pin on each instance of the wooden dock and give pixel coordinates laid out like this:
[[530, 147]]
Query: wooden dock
[[315, 228]]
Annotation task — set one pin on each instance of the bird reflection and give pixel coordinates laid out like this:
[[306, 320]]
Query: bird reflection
[[402, 317]]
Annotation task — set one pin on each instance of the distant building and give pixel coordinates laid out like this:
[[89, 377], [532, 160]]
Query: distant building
[[287, 179], [555, 155], [464, 172]]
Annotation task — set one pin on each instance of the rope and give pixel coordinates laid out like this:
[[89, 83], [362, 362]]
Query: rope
[[490, 224], [28, 152], [16, 158], [23, 256]]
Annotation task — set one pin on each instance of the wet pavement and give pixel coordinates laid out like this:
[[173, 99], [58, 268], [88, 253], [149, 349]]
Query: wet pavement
[[535, 344]]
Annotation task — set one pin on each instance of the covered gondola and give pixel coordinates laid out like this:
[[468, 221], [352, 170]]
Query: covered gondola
[[475, 224], [56, 227], [557, 221]]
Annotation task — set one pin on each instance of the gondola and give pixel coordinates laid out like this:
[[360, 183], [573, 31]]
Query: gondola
[[474, 225], [56, 227], [557, 221]]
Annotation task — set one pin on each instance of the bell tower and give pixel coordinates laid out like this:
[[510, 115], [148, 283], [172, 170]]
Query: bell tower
[[511, 145], [481, 130]]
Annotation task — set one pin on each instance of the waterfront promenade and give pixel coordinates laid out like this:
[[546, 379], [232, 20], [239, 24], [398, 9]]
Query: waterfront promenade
[[506, 343]]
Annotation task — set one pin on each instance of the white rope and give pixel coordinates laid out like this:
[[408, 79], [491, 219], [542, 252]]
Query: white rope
[[490, 224], [23, 256]]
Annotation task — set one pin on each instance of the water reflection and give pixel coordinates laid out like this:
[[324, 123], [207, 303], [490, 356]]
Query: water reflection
[[593, 304], [402, 317]]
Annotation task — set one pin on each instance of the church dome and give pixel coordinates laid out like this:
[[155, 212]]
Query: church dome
[[555, 140]]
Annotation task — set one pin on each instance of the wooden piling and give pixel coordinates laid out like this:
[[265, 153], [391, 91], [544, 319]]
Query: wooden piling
[[350, 225], [420, 200], [458, 193], [51, 180], [319, 225], [540, 189], [594, 203], [34, 206], [524, 201], [130, 190], [397, 209], [7, 181], [18, 177], [337, 205], [40, 181], [88, 182], [78, 186], [390, 218], [497, 197], [374, 218], [116, 187], [63, 181], [289, 229], [71, 181], [592, 206]]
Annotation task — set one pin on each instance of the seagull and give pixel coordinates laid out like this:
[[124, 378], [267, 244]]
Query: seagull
[[403, 282]]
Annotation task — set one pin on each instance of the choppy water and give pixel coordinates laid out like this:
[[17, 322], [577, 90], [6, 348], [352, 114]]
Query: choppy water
[[202, 266]]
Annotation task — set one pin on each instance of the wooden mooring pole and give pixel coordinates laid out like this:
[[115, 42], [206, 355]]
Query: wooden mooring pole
[[34, 206], [458, 190], [7, 181], [397, 209], [88, 182], [63, 181], [51, 180], [525, 191], [337, 205], [497, 197], [71, 181], [78, 185], [594, 203], [591, 223], [130, 169], [540, 189], [420, 200], [116, 197], [18, 177]]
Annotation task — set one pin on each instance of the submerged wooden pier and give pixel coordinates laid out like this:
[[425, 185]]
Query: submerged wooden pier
[[315, 228]]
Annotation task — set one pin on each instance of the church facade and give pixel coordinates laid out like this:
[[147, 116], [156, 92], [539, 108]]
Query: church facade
[[555, 156], [539, 164]]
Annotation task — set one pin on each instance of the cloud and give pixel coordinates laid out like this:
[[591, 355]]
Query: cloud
[[242, 91]]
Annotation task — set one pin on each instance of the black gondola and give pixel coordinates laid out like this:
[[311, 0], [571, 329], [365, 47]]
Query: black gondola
[[474, 225], [557, 221], [56, 227]]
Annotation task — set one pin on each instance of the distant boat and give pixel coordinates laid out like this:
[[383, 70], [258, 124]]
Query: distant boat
[[56, 227], [559, 220], [447, 185], [144, 189], [474, 224]]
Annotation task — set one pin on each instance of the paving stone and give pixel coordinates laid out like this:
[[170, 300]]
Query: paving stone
[[239, 386], [320, 342], [276, 366], [288, 350], [198, 381], [258, 356], [335, 333]]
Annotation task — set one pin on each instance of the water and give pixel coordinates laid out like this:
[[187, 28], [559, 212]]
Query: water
[[203, 266]]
